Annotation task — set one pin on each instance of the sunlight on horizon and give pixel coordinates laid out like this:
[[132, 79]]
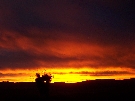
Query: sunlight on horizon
[[71, 75]]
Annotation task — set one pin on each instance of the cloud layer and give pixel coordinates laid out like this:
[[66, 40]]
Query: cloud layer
[[66, 33]]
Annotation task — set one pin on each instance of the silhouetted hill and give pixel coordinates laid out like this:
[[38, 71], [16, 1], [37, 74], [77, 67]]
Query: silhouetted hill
[[93, 90]]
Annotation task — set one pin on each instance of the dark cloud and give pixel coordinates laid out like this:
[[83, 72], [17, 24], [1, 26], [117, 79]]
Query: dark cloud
[[97, 73], [16, 59], [111, 73], [117, 16], [103, 73], [10, 74], [67, 33], [6, 76]]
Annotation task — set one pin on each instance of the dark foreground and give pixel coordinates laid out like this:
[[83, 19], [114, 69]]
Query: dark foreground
[[98, 90]]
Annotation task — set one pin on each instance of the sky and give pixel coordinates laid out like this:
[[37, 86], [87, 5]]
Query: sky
[[88, 38]]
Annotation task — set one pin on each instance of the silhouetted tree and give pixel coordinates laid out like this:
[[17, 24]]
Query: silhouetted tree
[[43, 84]]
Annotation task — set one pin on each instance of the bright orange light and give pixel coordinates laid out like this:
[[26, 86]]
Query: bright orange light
[[71, 75]]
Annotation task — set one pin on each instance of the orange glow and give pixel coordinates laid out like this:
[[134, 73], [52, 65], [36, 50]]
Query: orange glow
[[73, 45], [70, 75]]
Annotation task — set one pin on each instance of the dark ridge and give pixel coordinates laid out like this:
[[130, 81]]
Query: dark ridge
[[92, 90]]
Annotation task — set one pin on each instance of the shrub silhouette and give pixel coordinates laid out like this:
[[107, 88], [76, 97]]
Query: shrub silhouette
[[43, 84]]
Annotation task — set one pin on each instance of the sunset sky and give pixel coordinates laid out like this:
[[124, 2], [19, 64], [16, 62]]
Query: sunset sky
[[74, 40]]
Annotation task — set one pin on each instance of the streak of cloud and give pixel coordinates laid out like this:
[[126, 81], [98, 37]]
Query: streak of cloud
[[67, 33]]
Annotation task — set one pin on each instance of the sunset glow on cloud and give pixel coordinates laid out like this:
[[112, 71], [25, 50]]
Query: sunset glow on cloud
[[82, 40], [68, 75]]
